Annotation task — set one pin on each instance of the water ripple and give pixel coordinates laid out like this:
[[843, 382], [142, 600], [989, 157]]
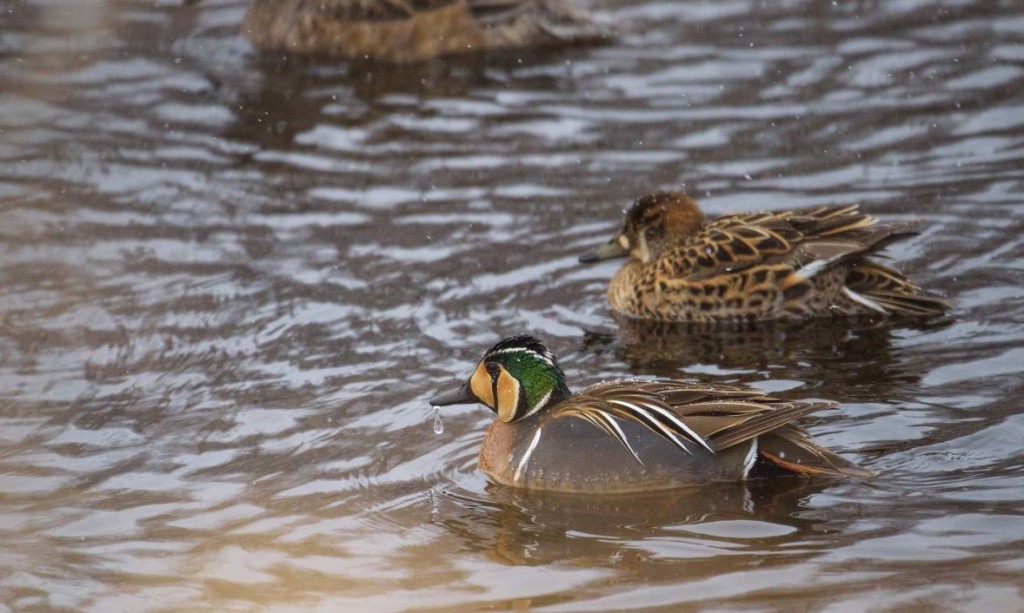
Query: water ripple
[[231, 283]]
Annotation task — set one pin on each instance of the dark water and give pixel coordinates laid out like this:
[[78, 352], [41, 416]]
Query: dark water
[[229, 285]]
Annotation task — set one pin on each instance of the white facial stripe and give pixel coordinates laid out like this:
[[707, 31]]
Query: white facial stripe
[[546, 356], [543, 401], [526, 456], [512, 350]]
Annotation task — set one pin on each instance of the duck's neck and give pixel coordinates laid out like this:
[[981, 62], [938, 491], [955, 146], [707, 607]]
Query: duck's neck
[[622, 291], [560, 393]]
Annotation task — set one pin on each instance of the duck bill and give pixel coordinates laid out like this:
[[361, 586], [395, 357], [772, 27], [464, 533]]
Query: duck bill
[[610, 250], [461, 395]]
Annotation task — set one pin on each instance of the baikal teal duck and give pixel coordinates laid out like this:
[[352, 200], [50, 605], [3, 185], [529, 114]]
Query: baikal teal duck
[[779, 265], [632, 435], [415, 30]]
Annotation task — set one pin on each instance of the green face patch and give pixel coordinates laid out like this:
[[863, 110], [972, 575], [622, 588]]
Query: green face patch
[[536, 376]]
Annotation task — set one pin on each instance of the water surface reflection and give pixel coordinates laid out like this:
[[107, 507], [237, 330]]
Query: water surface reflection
[[231, 282]]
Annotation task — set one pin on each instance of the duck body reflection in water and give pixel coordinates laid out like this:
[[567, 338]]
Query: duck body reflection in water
[[756, 266], [415, 30], [632, 435], [856, 355], [518, 526]]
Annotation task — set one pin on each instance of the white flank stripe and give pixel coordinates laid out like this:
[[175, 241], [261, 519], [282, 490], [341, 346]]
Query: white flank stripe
[[526, 456], [750, 459], [861, 300]]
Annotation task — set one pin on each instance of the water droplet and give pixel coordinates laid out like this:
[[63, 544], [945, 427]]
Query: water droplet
[[438, 424]]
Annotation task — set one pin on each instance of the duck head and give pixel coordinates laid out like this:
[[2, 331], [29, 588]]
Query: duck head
[[654, 223], [516, 378]]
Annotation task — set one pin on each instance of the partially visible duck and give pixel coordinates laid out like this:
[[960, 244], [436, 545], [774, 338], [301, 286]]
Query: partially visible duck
[[413, 30]]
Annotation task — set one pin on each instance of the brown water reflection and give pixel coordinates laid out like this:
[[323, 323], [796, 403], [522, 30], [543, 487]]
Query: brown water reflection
[[231, 282]]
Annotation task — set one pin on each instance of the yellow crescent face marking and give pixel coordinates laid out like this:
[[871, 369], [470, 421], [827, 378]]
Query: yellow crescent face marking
[[508, 396], [480, 385], [624, 241]]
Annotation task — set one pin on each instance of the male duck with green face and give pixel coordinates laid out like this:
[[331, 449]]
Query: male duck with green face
[[631, 435]]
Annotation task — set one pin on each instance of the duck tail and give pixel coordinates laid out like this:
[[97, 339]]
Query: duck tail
[[885, 290], [789, 450]]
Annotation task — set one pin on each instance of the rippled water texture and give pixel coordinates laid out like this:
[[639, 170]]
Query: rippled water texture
[[230, 283]]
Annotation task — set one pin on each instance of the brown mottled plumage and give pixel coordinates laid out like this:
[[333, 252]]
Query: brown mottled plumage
[[413, 30], [756, 266], [631, 435]]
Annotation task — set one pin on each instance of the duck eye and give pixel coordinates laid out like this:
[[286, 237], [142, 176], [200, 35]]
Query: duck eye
[[492, 369]]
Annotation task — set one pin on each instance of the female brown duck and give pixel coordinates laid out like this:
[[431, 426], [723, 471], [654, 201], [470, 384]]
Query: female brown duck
[[411, 30], [756, 266], [631, 435]]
